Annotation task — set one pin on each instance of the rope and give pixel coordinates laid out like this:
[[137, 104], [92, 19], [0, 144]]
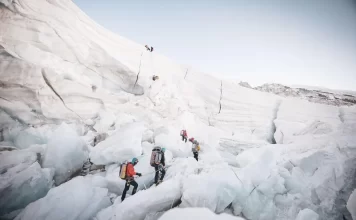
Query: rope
[[152, 64], [165, 168]]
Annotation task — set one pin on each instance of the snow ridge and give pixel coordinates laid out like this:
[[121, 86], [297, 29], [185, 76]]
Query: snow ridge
[[317, 96]]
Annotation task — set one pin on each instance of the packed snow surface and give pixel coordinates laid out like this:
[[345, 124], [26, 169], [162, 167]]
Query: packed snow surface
[[72, 91]]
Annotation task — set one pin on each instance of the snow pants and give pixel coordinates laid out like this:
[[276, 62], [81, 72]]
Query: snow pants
[[184, 138], [159, 168], [127, 187], [195, 155]]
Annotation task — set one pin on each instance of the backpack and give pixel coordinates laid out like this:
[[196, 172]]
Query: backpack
[[195, 146], [123, 170], [156, 156]]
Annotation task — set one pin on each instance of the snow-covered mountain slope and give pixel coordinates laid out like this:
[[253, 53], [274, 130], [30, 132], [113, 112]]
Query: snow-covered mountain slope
[[71, 90], [323, 96]]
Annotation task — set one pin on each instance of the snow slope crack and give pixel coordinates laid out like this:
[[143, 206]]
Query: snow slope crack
[[341, 115], [221, 91], [48, 83], [272, 140], [186, 72], [139, 70]]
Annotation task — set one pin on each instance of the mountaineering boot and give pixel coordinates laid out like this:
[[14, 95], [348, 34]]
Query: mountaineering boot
[[134, 191], [159, 182]]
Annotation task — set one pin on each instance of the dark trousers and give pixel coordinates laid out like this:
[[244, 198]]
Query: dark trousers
[[127, 187], [195, 155], [184, 138], [159, 168]]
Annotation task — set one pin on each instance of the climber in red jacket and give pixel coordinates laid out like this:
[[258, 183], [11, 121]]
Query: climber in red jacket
[[130, 179], [184, 135]]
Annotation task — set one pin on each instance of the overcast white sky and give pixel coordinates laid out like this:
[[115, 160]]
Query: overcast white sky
[[309, 42]]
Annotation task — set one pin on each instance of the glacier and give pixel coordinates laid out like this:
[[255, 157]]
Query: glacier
[[22, 180], [71, 91]]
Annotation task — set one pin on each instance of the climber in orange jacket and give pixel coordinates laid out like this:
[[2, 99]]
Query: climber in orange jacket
[[130, 179]]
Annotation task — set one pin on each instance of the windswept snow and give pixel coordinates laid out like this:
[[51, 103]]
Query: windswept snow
[[70, 90]]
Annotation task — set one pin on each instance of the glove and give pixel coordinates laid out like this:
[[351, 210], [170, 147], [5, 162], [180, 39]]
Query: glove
[[138, 174]]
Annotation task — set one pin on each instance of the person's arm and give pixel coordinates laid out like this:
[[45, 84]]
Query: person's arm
[[163, 160]]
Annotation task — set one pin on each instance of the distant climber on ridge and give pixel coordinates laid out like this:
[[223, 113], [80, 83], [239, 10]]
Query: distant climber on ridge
[[151, 49], [195, 148], [129, 172], [148, 48], [158, 161], [154, 77], [184, 135]]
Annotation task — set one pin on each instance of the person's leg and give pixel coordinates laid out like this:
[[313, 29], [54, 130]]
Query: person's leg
[[135, 185], [163, 172], [196, 155], [127, 186], [156, 173]]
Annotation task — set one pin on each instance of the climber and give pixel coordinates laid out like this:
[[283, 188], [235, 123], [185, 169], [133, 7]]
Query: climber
[[154, 77], [184, 135], [151, 49], [195, 147], [130, 180], [148, 48], [158, 161]]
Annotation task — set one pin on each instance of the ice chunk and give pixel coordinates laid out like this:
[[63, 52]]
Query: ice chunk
[[106, 120], [38, 149], [66, 152], [214, 190], [154, 215], [78, 199], [10, 159], [351, 205], [123, 119], [297, 182], [147, 148], [154, 199], [194, 214], [169, 138], [11, 215], [182, 167], [147, 136], [23, 138], [17, 189], [307, 214], [122, 145]]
